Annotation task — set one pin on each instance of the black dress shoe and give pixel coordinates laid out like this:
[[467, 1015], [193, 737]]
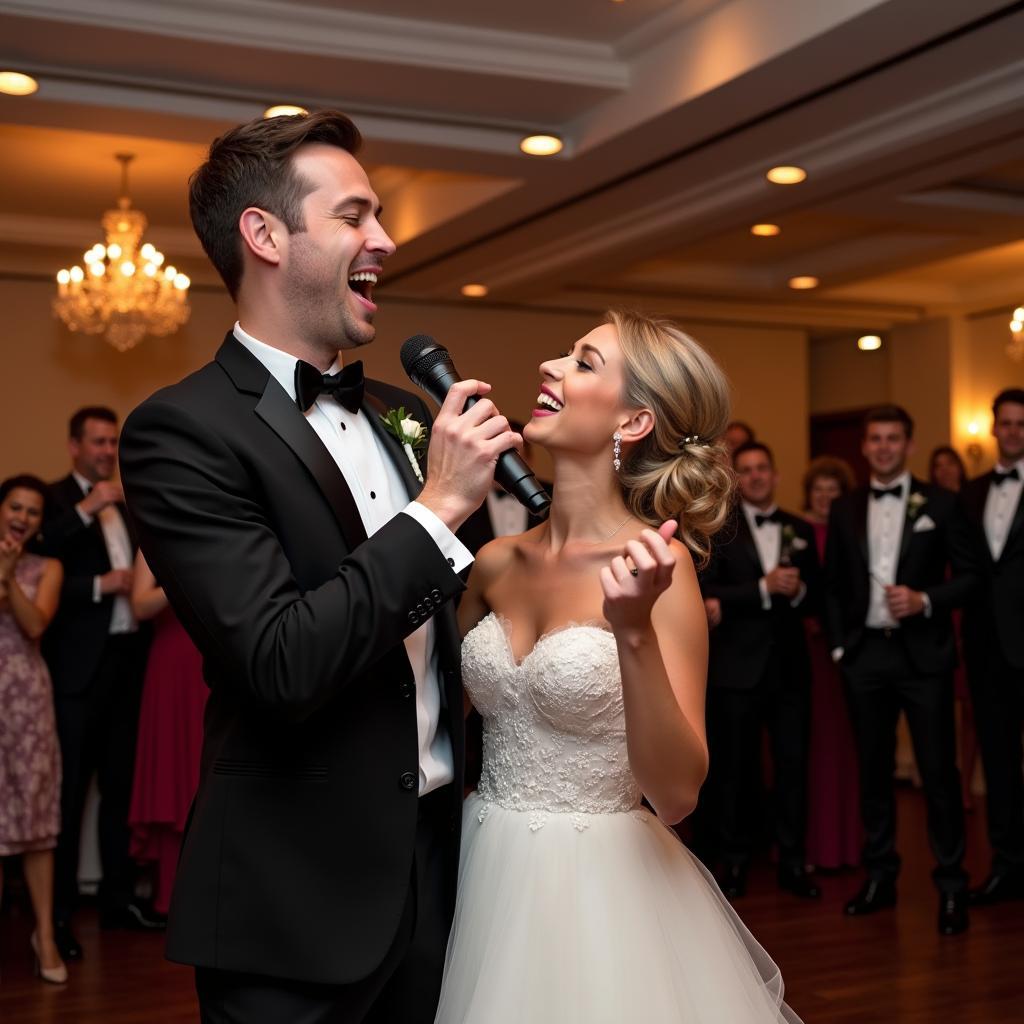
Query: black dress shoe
[[132, 916], [733, 882], [873, 896], [952, 913], [67, 944], [799, 883], [998, 889]]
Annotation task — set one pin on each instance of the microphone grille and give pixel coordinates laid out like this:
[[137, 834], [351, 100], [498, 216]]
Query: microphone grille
[[421, 349]]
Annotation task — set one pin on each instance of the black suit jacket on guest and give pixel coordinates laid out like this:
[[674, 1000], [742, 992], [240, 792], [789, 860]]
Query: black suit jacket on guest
[[924, 562], [997, 615], [297, 858], [749, 634], [478, 530], [74, 641]]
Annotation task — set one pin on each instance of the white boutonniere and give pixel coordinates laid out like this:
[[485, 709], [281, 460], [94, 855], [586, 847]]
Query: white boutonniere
[[411, 435], [790, 543], [915, 503]]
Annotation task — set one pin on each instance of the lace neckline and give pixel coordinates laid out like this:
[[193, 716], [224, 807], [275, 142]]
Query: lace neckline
[[505, 627]]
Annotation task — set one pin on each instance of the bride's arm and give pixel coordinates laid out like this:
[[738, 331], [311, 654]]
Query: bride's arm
[[662, 636]]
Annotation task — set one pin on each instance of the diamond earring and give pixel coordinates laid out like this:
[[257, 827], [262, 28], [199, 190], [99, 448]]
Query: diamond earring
[[617, 450]]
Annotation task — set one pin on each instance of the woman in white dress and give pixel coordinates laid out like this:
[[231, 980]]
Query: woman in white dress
[[585, 652]]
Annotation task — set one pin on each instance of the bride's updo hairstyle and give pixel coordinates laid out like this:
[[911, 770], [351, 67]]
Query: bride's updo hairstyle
[[681, 469]]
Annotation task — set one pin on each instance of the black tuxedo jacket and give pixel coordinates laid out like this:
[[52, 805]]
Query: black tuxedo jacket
[[741, 644], [940, 562], [74, 641], [998, 613], [297, 858]]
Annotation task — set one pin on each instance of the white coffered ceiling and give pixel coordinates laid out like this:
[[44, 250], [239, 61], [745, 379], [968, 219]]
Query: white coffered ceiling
[[908, 115]]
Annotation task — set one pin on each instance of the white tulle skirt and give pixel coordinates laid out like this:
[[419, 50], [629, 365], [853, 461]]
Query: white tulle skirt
[[596, 918]]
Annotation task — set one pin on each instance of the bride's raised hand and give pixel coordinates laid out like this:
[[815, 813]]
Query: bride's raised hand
[[630, 593]]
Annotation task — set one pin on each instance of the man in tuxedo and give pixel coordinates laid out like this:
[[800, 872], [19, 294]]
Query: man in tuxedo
[[889, 595], [293, 539], [96, 656], [993, 634], [763, 578]]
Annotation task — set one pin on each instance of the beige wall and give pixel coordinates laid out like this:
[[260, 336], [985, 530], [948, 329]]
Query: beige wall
[[768, 368], [843, 377]]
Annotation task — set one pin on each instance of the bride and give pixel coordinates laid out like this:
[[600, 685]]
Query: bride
[[585, 652]]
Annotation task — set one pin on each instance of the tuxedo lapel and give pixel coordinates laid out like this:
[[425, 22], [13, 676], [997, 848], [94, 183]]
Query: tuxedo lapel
[[1016, 526], [373, 408], [749, 544], [916, 487], [860, 515]]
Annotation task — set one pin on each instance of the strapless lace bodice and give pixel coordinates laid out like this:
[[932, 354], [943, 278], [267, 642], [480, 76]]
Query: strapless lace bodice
[[554, 727]]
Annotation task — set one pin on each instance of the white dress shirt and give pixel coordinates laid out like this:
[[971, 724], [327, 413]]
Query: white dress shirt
[[1001, 507], [508, 516], [119, 551], [768, 540], [380, 495], [885, 534]]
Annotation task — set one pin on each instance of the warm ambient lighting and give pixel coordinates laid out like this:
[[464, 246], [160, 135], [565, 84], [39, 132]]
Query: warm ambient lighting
[[116, 300], [541, 145], [973, 428], [766, 230], [474, 291], [1015, 350], [14, 83], [786, 175], [869, 343], [802, 283], [283, 110]]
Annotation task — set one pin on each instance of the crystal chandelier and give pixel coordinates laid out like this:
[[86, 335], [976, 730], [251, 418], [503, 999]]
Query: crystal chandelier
[[1015, 350], [124, 290]]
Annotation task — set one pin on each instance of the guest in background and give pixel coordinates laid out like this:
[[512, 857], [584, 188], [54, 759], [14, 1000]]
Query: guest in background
[[888, 601], [170, 736], [96, 656], [765, 576], [994, 645], [946, 469], [834, 832], [29, 752], [737, 433]]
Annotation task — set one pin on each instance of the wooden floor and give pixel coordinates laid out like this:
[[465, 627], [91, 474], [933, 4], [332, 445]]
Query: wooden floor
[[893, 967]]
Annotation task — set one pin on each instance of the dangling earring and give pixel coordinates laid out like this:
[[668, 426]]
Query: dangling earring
[[617, 450]]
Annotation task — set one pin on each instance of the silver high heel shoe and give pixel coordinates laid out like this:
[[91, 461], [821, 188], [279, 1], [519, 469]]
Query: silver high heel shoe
[[53, 975]]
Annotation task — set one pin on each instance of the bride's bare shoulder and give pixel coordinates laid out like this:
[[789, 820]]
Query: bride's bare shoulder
[[504, 553]]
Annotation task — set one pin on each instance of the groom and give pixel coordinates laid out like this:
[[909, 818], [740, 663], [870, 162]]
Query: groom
[[287, 525]]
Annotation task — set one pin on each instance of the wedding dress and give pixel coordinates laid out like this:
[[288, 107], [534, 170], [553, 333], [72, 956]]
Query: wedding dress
[[575, 903]]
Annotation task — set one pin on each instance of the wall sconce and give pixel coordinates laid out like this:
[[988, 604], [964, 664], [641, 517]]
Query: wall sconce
[[974, 450]]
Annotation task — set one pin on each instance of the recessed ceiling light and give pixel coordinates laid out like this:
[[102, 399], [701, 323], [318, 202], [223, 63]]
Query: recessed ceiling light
[[14, 83], [541, 145], [786, 175], [803, 282], [474, 291], [284, 110], [766, 230], [869, 342]]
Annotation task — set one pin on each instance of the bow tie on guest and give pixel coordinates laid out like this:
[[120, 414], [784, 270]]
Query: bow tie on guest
[[998, 476], [890, 492], [500, 492], [346, 385], [772, 517]]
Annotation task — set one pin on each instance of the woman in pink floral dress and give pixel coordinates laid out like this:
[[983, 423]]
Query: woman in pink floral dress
[[29, 754]]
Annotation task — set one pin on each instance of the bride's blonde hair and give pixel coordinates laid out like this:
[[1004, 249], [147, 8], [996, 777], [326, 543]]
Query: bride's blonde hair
[[681, 469]]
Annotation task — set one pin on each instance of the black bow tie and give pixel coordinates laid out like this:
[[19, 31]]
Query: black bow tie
[[501, 493], [892, 492], [1011, 474], [771, 517], [346, 385]]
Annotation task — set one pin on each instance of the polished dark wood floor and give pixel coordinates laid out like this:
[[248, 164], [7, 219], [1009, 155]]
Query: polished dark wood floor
[[892, 968]]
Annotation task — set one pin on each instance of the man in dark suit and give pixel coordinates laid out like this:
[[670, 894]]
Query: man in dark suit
[[889, 595], [993, 634], [763, 578], [96, 656], [292, 537]]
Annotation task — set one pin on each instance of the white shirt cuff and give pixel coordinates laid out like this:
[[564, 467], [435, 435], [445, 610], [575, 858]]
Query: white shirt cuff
[[451, 547], [97, 596], [927, 605], [84, 516], [766, 598], [801, 594], [837, 653]]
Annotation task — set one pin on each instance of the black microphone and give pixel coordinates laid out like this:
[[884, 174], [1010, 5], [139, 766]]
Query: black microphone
[[431, 369]]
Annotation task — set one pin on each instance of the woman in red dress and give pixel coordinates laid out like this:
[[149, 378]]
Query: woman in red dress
[[834, 835], [170, 737]]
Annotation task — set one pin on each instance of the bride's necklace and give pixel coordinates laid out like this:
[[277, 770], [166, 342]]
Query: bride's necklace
[[616, 530]]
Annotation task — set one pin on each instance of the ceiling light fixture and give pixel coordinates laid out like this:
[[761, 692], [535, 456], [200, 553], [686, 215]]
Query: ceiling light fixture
[[803, 282], [766, 230], [786, 175], [869, 342], [283, 110], [125, 292], [541, 145], [474, 291], [14, 83]]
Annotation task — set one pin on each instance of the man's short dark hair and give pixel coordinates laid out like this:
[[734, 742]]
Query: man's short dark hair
[[76, 427], [890, 414], [1015, 395], [753, 446], [251, 165], [745, 427]]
